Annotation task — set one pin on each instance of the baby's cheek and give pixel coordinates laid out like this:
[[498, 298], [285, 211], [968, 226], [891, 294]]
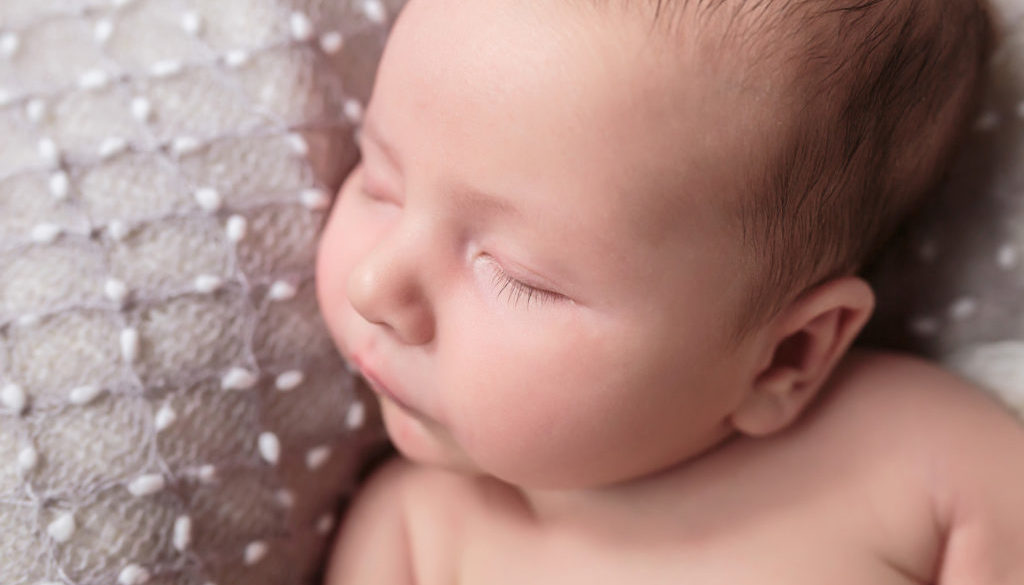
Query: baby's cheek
[[529, 409]]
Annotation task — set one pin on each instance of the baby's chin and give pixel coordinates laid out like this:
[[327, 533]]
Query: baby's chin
[[425, 442], [422, 441]]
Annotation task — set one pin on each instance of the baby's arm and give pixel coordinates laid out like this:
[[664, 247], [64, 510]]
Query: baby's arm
[[981, 502], [373, 543]]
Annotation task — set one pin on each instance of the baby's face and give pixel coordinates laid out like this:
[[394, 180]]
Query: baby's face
[[533, 256]]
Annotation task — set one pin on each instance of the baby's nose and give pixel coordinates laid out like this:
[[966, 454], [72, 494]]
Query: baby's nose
[[386, 289]]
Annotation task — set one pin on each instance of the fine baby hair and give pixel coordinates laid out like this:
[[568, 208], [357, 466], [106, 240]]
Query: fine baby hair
[[872, 98]]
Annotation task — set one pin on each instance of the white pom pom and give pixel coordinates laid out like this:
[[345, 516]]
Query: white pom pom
[[209, 199], [331, 42], [28, 320], [301, 26], [192, 23], [184, 145], [207, 473], [289, 380], [208, 283], [115, 290], [28, 458], [103, 30], [94, 79], [353, 111], [236, 58], [166, 68], [146, 485], [9, 43], [236, 228], [281, 291], [48, 151], [35, 109], [374, 11], [13, 398], [317, 457], [315, 199], [112, 146], [255, 552], [298, 144], [356, 416], [141, 109], [84, 394], [129, 345], [269, 447], [182, 533], [165, 417], [117, 230], [1007, 256], [62, 528], [45, 233], [238, 379], [133, 575], [60, 185]]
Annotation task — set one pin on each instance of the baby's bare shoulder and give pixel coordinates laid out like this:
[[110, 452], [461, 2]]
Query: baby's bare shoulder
[[402, 527], [970, 448], [908, 395], [897, 407]]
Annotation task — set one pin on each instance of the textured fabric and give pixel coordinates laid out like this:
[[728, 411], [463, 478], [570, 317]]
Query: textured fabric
[[171, 408], [952, 285]]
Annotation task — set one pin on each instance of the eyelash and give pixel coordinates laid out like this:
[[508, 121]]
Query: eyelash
[[517, 289]]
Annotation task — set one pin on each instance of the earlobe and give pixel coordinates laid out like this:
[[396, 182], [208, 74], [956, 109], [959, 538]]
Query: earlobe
[[809, 339]]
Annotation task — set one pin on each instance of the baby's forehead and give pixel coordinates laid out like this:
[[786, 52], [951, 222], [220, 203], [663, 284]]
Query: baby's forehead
[[609, 102]]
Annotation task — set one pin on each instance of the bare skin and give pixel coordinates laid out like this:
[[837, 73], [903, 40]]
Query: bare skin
[[893, 478], [534, 264]]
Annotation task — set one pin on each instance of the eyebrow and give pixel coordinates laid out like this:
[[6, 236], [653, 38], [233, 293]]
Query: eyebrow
[[475, 200], [463, 197]]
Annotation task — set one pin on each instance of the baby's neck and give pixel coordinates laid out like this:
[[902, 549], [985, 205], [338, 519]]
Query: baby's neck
[[634, 509]]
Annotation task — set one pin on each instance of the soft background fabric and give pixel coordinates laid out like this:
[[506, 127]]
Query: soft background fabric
[[171, 408], [951, 286]]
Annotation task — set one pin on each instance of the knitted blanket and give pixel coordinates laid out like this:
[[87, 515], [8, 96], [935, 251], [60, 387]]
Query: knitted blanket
[[171, 408]]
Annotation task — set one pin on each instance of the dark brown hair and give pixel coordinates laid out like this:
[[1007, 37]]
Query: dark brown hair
[[886, 90], [879, 93]]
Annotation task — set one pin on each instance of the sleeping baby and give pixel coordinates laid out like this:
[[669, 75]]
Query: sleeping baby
[[599, 264]]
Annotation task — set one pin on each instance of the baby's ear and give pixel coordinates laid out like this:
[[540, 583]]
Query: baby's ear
[[805, 343]]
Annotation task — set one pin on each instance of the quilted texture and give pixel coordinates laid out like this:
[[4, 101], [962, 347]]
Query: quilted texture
[[172, 410], [951, 286]]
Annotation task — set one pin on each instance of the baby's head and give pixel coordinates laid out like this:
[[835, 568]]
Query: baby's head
[[591, 239]]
